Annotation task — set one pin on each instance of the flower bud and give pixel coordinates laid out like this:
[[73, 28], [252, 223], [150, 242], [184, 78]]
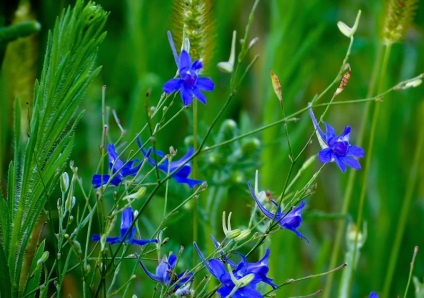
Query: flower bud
[[242, 282], [250, 146], [228, 66], [64, 182], [43, 258], [243, 235], [346, 30]]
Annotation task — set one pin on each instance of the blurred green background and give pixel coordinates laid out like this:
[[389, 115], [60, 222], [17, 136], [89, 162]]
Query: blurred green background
[[300, 41]]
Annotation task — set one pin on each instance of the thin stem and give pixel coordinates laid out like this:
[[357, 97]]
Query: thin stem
[[195, 175], [291, 281], [411, 268]]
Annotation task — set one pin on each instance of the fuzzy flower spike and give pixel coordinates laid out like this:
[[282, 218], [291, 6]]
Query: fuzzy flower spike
[[289, 221], [189, 83], [336, 148], [126, 221]]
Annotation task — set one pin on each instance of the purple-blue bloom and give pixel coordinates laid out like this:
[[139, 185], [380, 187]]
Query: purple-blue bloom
[[219, 270], [290, 221], [165, 273], [373, 295], [189, 83], [119, 169], [181, 176], [337, 148], [126, 221]]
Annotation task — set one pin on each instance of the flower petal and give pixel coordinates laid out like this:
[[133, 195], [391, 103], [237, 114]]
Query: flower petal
[[355, 151], [113, 240], [199, 95], [345, 135], [186, 95], [149, 274], [197, 65], [351, 162], [185, 61], [99, 180], [329, 131], [174, 51], [190, 182], [340, 163], [205, 84], [315, 122], [261, 207], [172, 86], [142, 242], [126, 221], [326, 155]]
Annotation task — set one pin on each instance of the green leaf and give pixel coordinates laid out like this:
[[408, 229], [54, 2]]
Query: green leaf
[[5, 286], [35, 272], [68, 68]]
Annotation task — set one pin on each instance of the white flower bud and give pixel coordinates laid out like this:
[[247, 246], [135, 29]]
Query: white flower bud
[[346, 30]]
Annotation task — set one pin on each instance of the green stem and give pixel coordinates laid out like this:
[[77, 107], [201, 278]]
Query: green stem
[[413, 176], [195, 175]]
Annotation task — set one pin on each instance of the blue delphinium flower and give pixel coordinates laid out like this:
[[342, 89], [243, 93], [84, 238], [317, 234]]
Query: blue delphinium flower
[[165, 273], [189, 83], [182, 175], [119, 168], [290, 221], [373, 295], [336, 148], [126, 221], [258, 271]]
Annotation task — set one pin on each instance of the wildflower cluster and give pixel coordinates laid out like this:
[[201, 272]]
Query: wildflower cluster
[[237, 279], [137, 230]]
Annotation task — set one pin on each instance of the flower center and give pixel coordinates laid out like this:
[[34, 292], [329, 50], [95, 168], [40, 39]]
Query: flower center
[[340, 147], [189, 78]]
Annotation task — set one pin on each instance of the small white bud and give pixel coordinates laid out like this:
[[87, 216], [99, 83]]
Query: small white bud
[[64, 182], [346, 30], [228, 66]]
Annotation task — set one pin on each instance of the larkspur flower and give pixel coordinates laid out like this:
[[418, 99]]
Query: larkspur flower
[[181, 176], [119, 169], [336, 148], [128, 238], [189, 83], [290, 220], [252, 273], [165, 273], [373, 295]]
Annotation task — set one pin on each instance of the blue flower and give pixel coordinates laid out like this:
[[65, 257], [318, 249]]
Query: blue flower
[[336, 148], [165, 273], [290, 221], [119, 169], [126, 221], [189, 84], [373, 295], [241, 270], [181, 176]]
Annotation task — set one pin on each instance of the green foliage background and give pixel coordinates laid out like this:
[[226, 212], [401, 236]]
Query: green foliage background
[[300, 41]]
